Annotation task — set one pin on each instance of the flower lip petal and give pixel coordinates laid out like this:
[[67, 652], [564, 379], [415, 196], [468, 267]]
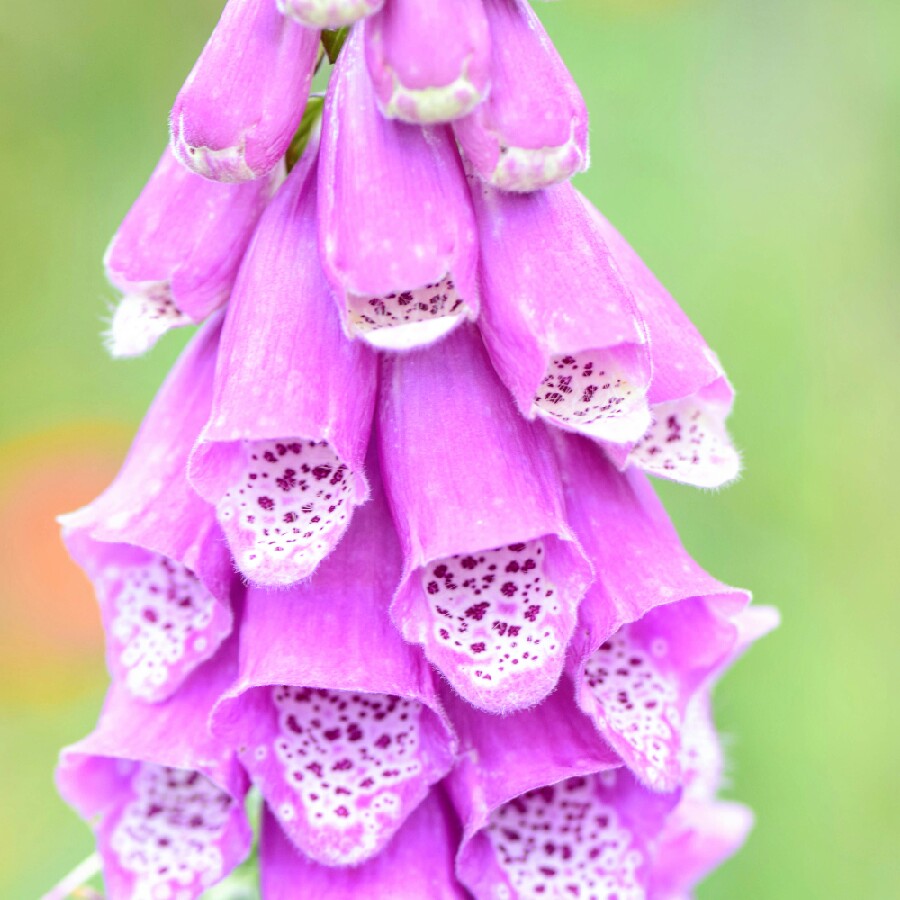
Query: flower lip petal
[[690, 398], [497, 788]]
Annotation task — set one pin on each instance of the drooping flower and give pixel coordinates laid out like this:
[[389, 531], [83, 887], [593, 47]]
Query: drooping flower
[[562, 818], [338, 718], [418, 862], [429, 62], [398, 246], [652, 627], [532, 130], [153, 550], [560, 325], [492, 576], [690, 397], [281, 457], [235, 116], [704, 831], [176, 254], [166, 798]]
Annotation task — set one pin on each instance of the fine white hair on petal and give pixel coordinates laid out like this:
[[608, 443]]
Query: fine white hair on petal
[[140, 320]]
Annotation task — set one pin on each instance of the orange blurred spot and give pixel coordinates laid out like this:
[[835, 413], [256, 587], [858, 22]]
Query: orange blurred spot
[[49, 620]]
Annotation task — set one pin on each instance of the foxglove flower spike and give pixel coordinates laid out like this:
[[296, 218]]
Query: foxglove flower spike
[[560, 326], [398, 246], [281, 457], [532, 131], [177, 252], [429, 62], [153, 548], [492, 577], [241, 104]]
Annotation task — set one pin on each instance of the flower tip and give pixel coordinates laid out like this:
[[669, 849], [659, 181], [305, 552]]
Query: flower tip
[[525, 169], [140, 320], [225, 164], [756, 622], [328, 13], [687, 442], [432, 105]]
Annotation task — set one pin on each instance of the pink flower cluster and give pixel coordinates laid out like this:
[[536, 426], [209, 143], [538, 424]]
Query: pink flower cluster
[[384, 547]]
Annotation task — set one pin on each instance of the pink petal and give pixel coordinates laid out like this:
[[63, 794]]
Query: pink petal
[[560, 325], [342, 729], [429, 62], [532, 131], [176, 254], [238, 110], [166, 797], [281, 457], [492, 577], [152, 547], [690, 397], [398, 245]]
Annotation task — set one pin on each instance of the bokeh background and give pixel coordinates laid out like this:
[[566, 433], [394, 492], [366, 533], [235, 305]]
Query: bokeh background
[[749, 150]]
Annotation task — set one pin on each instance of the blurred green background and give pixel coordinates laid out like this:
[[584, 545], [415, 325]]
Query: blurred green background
[[749, 150]]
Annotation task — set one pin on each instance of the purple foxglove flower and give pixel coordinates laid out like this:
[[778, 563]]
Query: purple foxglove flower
[[557, 819], [652, 627], [166, 798], [690, 397], [152, 547], [532, 130], [418, 862], [560, 326], [492, 576], [342, 728], [429, 62], [238, 110], [176, 254], [328, 13], [398, 245], [698, 838], [281, 457], [703, 832]]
